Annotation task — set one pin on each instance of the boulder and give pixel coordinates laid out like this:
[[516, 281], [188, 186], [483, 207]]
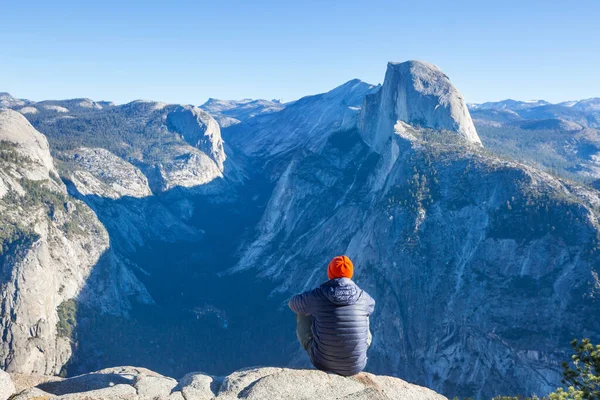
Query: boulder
[[283, 383], [199, 386], [7, 387], [32, 393], [26, 381], [131, 383], [153, 386]]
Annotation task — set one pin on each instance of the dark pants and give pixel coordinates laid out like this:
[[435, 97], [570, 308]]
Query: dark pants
[[304, 331]]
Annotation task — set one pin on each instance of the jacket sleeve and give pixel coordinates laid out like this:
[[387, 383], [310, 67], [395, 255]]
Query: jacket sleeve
[[370, 303], [303, 303]]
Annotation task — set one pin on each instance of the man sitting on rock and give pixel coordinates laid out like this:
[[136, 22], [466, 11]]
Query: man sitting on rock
[[333, 321]]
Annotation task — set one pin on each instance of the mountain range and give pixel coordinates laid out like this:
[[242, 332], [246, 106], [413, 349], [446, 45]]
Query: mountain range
[[559, 138], [170, 236]]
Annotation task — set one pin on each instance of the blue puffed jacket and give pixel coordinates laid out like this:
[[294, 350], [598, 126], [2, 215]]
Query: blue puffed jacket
[[340, 326]]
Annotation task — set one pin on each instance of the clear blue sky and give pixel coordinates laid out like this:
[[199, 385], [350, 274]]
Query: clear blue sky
[[185, 52]]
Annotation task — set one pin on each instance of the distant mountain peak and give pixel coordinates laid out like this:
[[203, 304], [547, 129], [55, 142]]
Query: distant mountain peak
[[8, 101], [231, 112], [353, 92], [508, 104], [417, 93], [589, 105]]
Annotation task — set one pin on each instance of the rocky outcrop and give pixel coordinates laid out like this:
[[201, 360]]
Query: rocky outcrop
[[7, 387], [187, 168], [28, 110], [32, 159], [8, 101], [49, 244], [200, 130], [252, 384], [166, 145], [54, 108], [100, 173], [419, 94]]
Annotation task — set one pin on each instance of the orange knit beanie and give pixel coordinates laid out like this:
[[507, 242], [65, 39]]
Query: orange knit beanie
[[340, 267]]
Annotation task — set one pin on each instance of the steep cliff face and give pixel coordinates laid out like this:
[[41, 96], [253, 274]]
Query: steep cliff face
[[419, 94], [139, 166], [121, 196], [306, 122], [49, 244], [200, 130], [171, 145], [154, 175], [483, 269], [100, 173]]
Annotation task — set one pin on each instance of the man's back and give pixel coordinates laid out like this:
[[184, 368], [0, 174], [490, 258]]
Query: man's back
[[340, 328]]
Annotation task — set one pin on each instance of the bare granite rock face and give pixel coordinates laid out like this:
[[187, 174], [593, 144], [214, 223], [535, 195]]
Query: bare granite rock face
[[200, 130], [49, 244], [188, 168], [253, 384], [8, 101], [306, 122], [419, 94], [31, 154], [172, 145], [7, 387], [100, 173]]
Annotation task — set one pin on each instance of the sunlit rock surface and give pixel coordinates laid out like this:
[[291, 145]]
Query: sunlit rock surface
[[419, 94], [253, 383], [483, 268], [50, 243], [101, 173]]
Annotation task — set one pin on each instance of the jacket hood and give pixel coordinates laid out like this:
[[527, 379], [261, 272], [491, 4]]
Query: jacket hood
[[341, 291]]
